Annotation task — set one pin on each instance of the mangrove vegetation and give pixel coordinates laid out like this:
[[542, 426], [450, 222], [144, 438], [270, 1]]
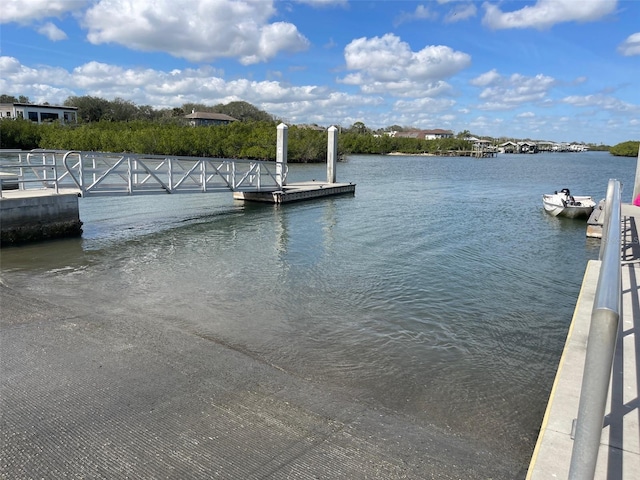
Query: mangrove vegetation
[[121, 126]]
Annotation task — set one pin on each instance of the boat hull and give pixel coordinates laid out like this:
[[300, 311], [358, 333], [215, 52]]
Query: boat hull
[[559, 206]]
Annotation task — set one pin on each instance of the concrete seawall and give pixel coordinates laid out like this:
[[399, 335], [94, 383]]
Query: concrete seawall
[[31, 215]]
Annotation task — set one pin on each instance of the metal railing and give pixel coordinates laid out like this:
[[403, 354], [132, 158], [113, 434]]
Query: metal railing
[[601, 343], [34, 169], [94, 174]]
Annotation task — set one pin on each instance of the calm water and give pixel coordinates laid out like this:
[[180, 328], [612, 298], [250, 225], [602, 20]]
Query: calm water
[[441, 289]]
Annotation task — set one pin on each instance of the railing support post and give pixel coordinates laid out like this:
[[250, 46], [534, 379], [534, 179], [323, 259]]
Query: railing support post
[[636, 186], [332, 154], [281, 154]]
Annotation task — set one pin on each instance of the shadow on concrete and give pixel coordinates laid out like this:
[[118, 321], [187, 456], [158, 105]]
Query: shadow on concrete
[[626, 330]]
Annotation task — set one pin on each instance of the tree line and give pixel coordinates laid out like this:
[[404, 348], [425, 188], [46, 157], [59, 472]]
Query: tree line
[[121, 126], [251, 139], [95, 109]]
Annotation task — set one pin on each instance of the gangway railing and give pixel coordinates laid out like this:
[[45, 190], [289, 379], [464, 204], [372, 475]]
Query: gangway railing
[[95, 174], [601, 344], [36, 169]]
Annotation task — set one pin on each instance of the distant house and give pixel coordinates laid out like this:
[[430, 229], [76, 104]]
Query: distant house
[[578, 147], [39, 113], [437, 133], [547, 146], [528, 147], [425, 134], [508, 147], [197, 119], [408, 134], [315, 127]]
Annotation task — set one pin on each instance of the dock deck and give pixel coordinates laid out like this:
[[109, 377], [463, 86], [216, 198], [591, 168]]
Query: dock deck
[[619, 454], [295, 192]]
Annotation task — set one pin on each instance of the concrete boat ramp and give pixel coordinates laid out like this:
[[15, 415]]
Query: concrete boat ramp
[[102, 392]]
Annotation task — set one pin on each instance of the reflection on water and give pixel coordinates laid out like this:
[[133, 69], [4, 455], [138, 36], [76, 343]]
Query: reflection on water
[[441, 289]]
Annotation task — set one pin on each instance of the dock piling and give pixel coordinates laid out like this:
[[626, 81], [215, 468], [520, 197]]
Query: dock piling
[[281, 154], [332, 154]]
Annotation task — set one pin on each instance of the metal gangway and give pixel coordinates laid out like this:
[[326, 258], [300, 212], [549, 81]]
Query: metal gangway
[[114, 174]]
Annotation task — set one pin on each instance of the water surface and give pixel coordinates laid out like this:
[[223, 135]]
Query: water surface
[[441, 289]]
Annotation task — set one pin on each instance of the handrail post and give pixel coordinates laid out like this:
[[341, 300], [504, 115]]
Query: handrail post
[[635, 199], [55, 172], [601, 344]]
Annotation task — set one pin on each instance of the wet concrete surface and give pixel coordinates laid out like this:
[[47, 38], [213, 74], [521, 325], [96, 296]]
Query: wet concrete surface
[[87, 393]]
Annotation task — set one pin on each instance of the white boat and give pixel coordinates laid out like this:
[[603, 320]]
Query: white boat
[[564, 204]]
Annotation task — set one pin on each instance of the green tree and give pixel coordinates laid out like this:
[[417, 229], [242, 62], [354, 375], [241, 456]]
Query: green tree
[[244, 112], [359, 128], [20, 133], [90, 109], [120, 110], [625, 149]]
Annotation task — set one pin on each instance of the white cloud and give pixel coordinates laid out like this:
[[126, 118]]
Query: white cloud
[[420, 13], [198, 32], [461, 13], [17, 79], [52, 32], [324, 3], [424, 105], [486, 78], [546, 13], [388, 64], [334, 108], [602, 102], [504, 93], [26, 12], [168, 89], [631, 46]]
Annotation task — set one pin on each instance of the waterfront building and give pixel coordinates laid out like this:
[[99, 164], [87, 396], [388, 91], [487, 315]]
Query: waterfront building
[[39, 113], [197, 119]]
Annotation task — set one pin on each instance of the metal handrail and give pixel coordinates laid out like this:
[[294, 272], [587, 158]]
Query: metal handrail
[[95, 173], [42, 172], [601, 344]]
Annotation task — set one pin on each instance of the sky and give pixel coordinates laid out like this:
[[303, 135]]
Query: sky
[[556, 70]]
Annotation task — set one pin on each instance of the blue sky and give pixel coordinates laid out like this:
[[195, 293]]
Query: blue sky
[[561, 70]]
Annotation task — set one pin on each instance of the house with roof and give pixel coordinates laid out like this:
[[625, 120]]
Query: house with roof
[[528, 147], [39, 113], [508, 147], [425, 134], [197, 119], [437, 134]]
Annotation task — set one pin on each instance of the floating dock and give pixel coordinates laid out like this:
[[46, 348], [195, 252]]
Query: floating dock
[[296, 192], [596, 221]]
